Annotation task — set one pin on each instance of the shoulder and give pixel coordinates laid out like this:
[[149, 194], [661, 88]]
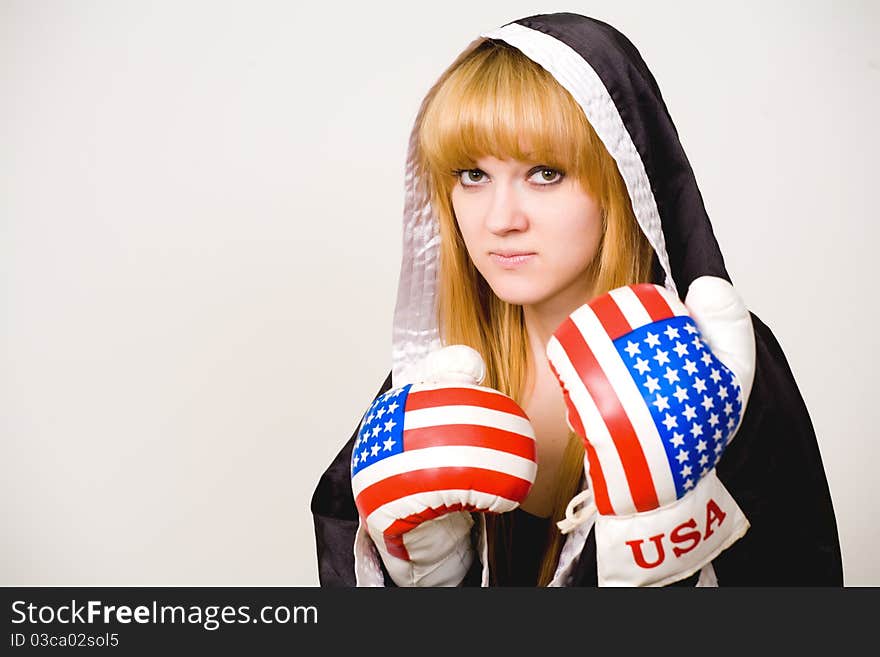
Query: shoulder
[[774, 470], [335, 515], [332, 495]]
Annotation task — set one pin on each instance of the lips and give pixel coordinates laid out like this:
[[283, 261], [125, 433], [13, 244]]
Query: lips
[[511, 259], [510, 254]]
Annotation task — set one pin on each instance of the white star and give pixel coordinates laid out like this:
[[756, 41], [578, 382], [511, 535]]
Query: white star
[[670, 421], [380, 412], [374, 449], [642, 365], [680, 349], [707, 402], [689, 484], [632, 348], [652, 340], [730, 423], [715, 376], [376, 430], [397, 392], [690, 412], [357, 443], [718, 448], [369, 419], [680, 394], [652, 384], [356, 459], [677, 439], [703, 472], [390, 424], [662, 403], [388, 444], [363, 455], [704, 459], [393, 407], [701, 446], [718, 434], [696, 429], [671, 332], [728, 408], [671, 375], [682, 456], [662, 357], [690, 366], [722, 392], [697, 342], [706, 358], [713, 420], [699, 384], [690, 328], [686, 471]]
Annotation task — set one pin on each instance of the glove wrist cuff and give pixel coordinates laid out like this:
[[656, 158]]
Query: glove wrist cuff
[[440, 552], [659, 547]]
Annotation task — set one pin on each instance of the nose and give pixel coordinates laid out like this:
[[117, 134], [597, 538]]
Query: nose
[[506, 212]]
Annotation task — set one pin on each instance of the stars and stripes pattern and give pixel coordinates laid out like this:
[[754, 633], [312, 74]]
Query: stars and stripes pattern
[[655, 404], [424, 450]]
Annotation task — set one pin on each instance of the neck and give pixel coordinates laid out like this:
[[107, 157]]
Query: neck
[[542, 320]]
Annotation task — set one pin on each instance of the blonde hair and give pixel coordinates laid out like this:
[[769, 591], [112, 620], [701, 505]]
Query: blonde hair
[[493, 101]]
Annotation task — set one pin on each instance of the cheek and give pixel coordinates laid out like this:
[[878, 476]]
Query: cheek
[[577, 239], [466, 220]]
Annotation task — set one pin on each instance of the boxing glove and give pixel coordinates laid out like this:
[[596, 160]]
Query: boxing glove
[[427, 455], [656, 388]]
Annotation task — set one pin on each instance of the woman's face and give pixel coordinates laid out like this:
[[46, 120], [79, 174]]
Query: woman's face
[[529, 230]]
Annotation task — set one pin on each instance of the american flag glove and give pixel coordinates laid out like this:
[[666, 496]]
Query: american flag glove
[[656, 388], [430, 453]]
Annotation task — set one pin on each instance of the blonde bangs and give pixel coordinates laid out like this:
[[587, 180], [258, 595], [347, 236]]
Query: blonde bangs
[[502, 104]]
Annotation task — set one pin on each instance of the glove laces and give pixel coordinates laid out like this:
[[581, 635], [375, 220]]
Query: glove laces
[[574, 518]]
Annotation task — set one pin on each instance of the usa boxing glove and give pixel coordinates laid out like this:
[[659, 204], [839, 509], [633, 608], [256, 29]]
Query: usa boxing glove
[[656, 389], [427, 455]]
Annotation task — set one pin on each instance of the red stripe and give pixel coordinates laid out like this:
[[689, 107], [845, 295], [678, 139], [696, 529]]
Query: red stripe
[[597, 479], [427, 480], [653, 301], [626, 442], [610, 316], [394, 534], [420, 399], [471, 435]]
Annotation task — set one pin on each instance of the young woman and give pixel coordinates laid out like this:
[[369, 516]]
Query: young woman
[[543, 172]]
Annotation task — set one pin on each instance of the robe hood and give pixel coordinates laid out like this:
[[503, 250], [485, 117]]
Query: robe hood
[[606, 75]]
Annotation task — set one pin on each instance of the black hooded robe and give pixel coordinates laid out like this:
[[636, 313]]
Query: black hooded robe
[[773, 467]]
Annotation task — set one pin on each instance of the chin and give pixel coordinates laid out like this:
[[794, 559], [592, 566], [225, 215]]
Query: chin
[[517, 295]]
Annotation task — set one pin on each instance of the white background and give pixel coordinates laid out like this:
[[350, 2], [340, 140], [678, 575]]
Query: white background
[[200, 209]]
